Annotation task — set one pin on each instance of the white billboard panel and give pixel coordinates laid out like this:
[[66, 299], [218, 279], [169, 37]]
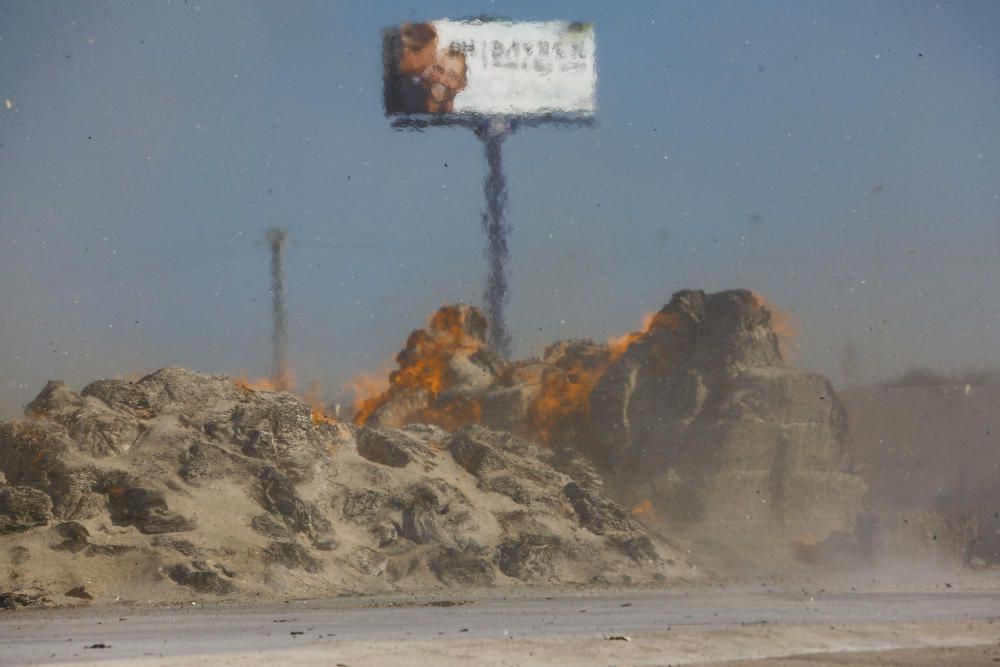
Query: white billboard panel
[[490, 68]]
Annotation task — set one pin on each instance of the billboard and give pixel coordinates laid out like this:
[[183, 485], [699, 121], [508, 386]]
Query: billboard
[[489, 68]]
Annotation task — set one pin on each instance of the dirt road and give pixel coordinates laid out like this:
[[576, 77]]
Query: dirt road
[[628, 627]]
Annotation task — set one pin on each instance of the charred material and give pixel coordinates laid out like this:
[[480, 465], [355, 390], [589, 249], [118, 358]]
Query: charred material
[[695, 417]]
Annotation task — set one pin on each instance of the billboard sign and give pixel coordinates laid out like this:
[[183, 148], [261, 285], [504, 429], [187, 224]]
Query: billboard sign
[[490, 68]]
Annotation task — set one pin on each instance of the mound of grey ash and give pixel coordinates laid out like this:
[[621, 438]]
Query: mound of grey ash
[[700, 425], [183, 485], [697, 422]]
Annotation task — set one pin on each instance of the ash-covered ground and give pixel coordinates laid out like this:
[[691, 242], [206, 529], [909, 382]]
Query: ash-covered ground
[[676, 454], [184, 484]]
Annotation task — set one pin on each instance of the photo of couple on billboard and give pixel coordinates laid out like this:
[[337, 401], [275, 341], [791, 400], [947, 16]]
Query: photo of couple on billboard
[[421, 75]]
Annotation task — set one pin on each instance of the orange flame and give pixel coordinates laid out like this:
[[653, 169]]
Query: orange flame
[[453, 415], [261, 384], [366, 386], [620, 344], [565, 391], [424, 366], [652, 320], [314, 397], [367, 408], [319, 416], [570, 374], [782, 323], [645, 507]]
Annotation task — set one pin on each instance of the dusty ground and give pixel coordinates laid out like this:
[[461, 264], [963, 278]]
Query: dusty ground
[[968, 656], [621, 628]]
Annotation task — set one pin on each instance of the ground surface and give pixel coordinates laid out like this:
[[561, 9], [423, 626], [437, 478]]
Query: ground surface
[[626, 627]]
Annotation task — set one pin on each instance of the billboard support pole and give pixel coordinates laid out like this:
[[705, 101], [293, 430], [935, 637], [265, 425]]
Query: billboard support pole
[[280, 373], [492, 133], [517, 74], [492, 130]]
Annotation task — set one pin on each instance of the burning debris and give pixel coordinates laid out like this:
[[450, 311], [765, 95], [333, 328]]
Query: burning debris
[[201, 485], [696, 419], [439, 370], [449, 374], [468, 469]]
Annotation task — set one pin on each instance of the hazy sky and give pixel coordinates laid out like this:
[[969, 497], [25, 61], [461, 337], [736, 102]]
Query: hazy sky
[[842, 158]]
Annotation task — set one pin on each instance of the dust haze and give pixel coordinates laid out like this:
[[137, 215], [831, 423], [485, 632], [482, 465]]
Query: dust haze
[[272, 332]]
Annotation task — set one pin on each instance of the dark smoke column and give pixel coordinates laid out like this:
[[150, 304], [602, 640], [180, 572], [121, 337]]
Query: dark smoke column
[[497, 229], [280, 373]]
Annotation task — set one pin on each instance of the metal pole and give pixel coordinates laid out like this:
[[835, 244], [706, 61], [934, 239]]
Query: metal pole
[[495, 224], [280, 375]]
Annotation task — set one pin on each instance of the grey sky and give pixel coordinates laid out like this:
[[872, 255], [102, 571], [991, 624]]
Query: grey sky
[[841, 158]]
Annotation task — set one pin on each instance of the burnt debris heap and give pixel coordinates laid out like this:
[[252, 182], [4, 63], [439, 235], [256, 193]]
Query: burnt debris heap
[[696, 420], [469, 470], [196, 485]]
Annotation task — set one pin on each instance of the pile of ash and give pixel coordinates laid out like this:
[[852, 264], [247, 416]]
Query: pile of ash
[[185, 485], [696, 421], [470, 470]]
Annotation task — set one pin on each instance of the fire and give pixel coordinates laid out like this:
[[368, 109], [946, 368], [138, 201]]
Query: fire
[[645, 507], [314, 397], [261, 384], [453, 415], [367, 386], [620, 344], [565, 389], [424, 365], [782, 323], [650, 322], [429, 384], [368, 407], [319, 416]]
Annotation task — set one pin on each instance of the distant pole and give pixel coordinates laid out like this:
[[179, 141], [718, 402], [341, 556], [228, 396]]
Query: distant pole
[[492, 133], [280, 374]]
